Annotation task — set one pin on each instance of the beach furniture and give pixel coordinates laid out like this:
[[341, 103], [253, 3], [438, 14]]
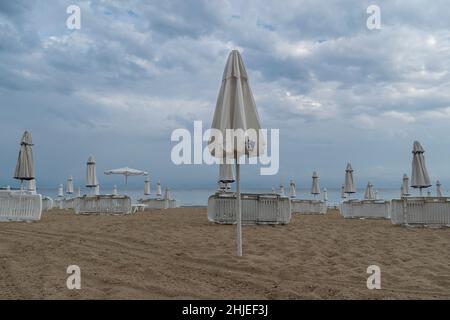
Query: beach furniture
[[47, 203], [102, 204], [303, 206], [256, 208], [426, 211], [126, 172], [20, 206], [159, 203], [366, 209], [138, 207]]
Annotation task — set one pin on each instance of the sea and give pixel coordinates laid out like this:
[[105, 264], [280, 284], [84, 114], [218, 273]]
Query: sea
[[199, 197]]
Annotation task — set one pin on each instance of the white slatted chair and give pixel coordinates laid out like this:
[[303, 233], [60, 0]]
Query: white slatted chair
[[308, 206], [376, 209], [102, 204], [425, 211], [20, 206], [256, 208]]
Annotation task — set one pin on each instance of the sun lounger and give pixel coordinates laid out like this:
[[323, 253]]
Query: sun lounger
[[308, 206], [256, 208], [98, 204], [366, 209], [426, 211], [20, 206]]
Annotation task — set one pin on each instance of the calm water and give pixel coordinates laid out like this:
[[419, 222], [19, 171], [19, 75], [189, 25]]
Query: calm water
[[199, 197]]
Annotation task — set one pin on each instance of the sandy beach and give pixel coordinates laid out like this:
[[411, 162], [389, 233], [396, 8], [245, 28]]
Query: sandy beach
[[178, 254]]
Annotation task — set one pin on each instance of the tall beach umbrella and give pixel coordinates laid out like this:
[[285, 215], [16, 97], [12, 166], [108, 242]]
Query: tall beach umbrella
[[69, 187], [368, 193], [282, 191], [167, 195], [158, 188], [226, 174], [419, 176], [126, 172], [376, 194], [60, 191], [325, 195], [292, 191], [25, 162], [438, 189], [274, 191], [349, 187], [32, 186], [236, 110], [315, 190], [147, 185], [78, 194], [343, 195], [91, 174], [114, 190], [405, 186]]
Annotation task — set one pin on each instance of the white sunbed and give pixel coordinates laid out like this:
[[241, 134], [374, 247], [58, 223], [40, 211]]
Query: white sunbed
[[20, 206], [424, 211]]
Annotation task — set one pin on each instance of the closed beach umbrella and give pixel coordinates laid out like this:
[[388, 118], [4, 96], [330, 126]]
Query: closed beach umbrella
[[91, 175], [438, 189], [32, 186], [405, 186], [236, 110], [368, 193], [167, 195], [158, 188], [69, 188], [325, 195], [25, 162], [114, 190], [78, 194], [274, 191], [376, 194], [226, 174], [315, 190], [349, 187], [419, 176], [282, 190], [60, 191], [292, 191], [147, 186]]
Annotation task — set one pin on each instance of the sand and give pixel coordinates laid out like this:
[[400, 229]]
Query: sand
[[178, 254]]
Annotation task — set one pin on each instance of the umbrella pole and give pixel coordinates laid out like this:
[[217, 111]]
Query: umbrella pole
[[126, 184], [239, 211]]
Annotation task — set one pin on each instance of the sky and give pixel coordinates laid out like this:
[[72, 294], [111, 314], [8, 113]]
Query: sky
[[137, 70]]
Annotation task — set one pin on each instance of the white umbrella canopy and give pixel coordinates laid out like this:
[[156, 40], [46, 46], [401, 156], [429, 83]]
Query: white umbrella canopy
[[419, 176], [236, 109], [147, 186], [274, 191], [25, 162], [69, 187], [91, 175], [368, 193], [325, 194], [315, 190], [438, 189], [167, 195], [349, 186], [226, 174], [292, 191], [158, 188], [126, 172], [405, 186]]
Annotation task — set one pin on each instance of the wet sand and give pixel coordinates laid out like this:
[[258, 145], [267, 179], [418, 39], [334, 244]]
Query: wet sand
[[178, 254]]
